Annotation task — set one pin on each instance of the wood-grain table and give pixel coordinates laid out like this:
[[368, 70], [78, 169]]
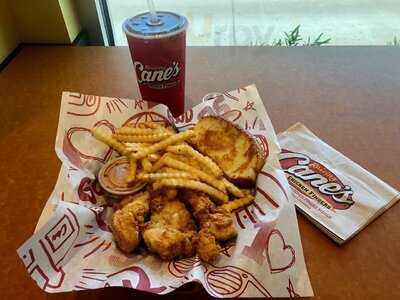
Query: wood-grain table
[[349, 96]]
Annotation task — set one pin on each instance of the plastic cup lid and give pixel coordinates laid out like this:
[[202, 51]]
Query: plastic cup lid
[[141, 25]]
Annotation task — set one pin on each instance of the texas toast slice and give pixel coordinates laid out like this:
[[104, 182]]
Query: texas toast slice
[[233, 149]]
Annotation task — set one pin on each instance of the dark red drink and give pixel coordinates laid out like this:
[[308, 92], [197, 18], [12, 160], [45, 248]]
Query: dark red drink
[[158, 53]]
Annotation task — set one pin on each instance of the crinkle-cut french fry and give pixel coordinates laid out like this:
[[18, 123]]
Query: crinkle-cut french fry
[[158, 176], [247, 192], [204, 160], [132, 169], [139, 145], [146, 164], [162, 126], [216, 195], [238, 203], [109, 140], [153, 125], [170, 129], [158, 164], [183, 158], [136, 131], [154, 157], [142, 138], [173, 163], [233, 189], [171, 170], [134, 147], [179, 137]]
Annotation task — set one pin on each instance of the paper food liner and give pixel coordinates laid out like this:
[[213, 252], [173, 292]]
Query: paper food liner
[[73, 248]]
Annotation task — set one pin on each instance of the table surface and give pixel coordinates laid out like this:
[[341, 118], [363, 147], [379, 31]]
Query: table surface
[[349, 96]]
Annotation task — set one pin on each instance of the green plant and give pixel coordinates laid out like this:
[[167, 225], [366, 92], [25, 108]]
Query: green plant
[[293, 38], [395, 42], [257, 43]]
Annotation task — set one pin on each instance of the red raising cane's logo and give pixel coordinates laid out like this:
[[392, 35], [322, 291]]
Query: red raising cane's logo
[[327, 184], [157, 77]]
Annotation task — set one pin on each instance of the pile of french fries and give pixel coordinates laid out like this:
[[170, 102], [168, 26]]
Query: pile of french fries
[[161, 157]]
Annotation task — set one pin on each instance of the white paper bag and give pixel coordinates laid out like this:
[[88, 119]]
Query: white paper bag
[[335, 193]]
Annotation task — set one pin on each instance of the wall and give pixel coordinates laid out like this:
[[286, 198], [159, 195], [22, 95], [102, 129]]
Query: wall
[[8, 35], [39, 21], [71, 19]]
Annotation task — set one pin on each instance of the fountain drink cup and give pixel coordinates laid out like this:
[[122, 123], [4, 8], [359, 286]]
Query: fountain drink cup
[[157, 49]]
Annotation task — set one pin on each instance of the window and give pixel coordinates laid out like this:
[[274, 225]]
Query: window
[[263, 22]]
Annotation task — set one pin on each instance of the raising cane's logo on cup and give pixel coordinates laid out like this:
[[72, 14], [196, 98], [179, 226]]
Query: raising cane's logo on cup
[[315, 181], [157, 78]]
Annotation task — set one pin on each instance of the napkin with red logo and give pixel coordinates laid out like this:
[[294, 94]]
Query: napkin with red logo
[[335, 193]]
